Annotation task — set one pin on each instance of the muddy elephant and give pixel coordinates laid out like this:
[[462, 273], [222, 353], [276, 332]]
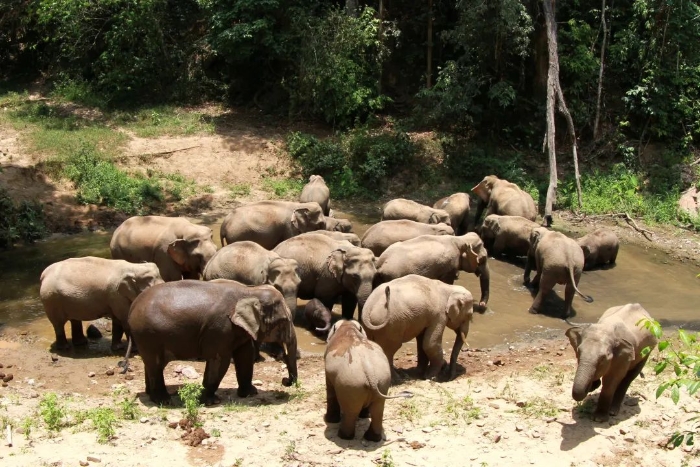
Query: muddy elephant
[[269, 223], [415, 307], [318, 317], [457, 206], [557, 259], [401, 208], [507, 235], [502, 197], [317, 191], [383, 234], [610, 352], [330, 269], [179, 248], [334, 224], [250, 264], [437, 257], [88, 288], [358, 377], [599, 247], [215, 321]]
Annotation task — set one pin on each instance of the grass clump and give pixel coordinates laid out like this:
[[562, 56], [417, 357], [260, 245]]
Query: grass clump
[[539, 407], [283, 187], [190, 394], [24, 221], [104, 420], [52, 412], [128, 408], [408, 410], [239, 190], [386, 460], [165, 121]]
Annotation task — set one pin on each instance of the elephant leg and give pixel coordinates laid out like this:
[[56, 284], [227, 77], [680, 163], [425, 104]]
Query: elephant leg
[[374, 432], [456, 349], [332, 406], [569, 293], [610, 384], [621, 390], [243, 358], [423, 360], [117, 332], [214, 372], [432, 345], [60, 331], [364, 413], [348, 421], [76, 332], [546, 286], [349, 304], [499, 245], [155, 382]]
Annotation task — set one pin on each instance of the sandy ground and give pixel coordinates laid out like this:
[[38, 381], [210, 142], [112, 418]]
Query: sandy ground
[[511, 407]]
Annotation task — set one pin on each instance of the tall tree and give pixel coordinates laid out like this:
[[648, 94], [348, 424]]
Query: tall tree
[[604, 26]]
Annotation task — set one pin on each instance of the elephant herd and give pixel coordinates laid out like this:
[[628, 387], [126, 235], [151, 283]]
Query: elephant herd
[[399, 276]]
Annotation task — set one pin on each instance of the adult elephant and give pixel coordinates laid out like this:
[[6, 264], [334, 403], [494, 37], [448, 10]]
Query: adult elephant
[[502, 197], [438, 257], [457, 206], [86, 289], [317, 191], [508, 235], [340, 236], [330, 269], [179, 248], [611, 351], [599, 247], [383, 234], [268, 223], [558, 260], [415, 307], [250, 264], [401, 208], [215, 321], [334, 224]]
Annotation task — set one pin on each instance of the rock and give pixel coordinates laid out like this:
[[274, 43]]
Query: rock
[[4, 385], [481, 423], [94, 459], [499, 362], [535, 434], [190, 373], [266, 424], [30, 381], [427, 429], [84, 463], [54, 358], [494, 405], [476, 390], [398, 430], [109, 372], [91, 374], [257, 382], [172, 425], [92, 332], [519, 427], [143, 419], [512, 347], [416, 444], [9, 366], [521, 403], [497, 437], [631, 401], [624, 431], [629, 438], [129, 377], [33, 394], [8, 377], [690, 201]]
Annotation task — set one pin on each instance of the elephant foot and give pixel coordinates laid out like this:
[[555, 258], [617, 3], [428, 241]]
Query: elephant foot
[[160, 399], [245, 392], [600, 417], [481, 307], [331, 417], [80, 342], [370, 435], [533, 311], [364, 413], [116, 347], [93, 332], [61, 345], [211, 400], [344, 435]]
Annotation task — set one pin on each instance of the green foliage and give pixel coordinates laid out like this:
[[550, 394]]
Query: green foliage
[[157, 121], [27, 425], [283, 188], [24, 221], [52, 411], [683, 356], [386, 459], [240, 190], [190, 394], [128, 408], [104, 421]]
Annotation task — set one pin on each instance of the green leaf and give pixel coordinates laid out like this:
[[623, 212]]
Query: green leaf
[[645, 351], [662, 387], [663, 345], [661, 366], [675, 394], [685, 337], [677, 369], [693, 387]]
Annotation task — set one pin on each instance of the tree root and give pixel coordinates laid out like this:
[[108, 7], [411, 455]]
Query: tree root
[[620, 215]]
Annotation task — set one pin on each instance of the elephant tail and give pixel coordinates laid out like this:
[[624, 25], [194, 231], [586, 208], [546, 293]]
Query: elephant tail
[[587, 298], [406, 394], [370, 373], [125, 363], [366, 318]]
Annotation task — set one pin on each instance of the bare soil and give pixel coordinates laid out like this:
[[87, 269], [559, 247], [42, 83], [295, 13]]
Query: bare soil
[[509, 406]]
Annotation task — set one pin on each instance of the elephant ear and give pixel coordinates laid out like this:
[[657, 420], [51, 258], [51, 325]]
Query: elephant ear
[[177, 250], [535, 237], [623, 347], [335, 264], [247, 315], [434, 219], [574, 334], [455, 308], [299, 216], [482, 190], [471, 257], [586, 251], [128, 287]]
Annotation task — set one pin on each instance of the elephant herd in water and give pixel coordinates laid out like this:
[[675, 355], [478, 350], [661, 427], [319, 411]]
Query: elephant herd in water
[[400, 277]]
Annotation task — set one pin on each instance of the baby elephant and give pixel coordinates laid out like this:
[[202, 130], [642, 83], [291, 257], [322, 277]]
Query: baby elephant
[[318, 317], [611, 351], [599, 247], [357, 380]]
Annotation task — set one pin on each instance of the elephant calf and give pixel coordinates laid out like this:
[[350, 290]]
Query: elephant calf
[[508, 235], [358, 377], [502, 197], [318, 317], [610, 351], [415, 307], [599, 247], [457, 206], [383, 234], [401, 208], [317, 191], [86, 289], [338, 225]]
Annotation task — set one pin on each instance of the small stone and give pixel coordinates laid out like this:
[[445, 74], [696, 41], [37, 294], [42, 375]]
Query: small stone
[[54, 357], [427, 429], [23, 333], [512, 347], [631, 401], [109, 372], [519, 427], [535, 434], [497, 438], [190, 373], [266, 424], [476, 390], [521, 403], [562, 348], [30, 381], [9, 366], [687, 448], [559, 354], [629, 438], [8, 377], [143, 419], [4, 385], [257, 382], [91, 374], [494, 405], [84, 463], [94, 459], [498, 362], [416, 444], [550, 419], [481, 423], [33, 394], [172, 425], [398, 430], [129, 377], [624, 431]]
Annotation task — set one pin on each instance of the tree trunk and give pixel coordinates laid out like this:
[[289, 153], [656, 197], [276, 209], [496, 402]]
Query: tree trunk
[[596, 122], [381, 39], [429, 54]]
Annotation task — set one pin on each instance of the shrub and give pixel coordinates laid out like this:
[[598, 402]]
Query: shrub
[[52, 412], [104, 421], [24, 221], [189, 395]]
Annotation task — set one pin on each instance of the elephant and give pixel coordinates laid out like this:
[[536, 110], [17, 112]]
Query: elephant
[[338, 225], [401, 208], [216, 321], [502, 197], [317, 316], [437, 257], [88, 288], [358, 377], [558, 260], [599, 247], [385, 233], [340, 236], [250, 264], [330, 269], [414, 306], [457, 206], [269, 223], [179, 248], [317, 190], [610, 351], [509, 235]]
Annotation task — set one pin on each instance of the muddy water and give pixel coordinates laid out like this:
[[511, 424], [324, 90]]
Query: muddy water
[[668, 290]]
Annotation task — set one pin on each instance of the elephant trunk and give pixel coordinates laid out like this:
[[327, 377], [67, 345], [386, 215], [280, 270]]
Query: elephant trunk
[[326, 318], [290, 299], [582, 381], [363, 293], [290, 357]]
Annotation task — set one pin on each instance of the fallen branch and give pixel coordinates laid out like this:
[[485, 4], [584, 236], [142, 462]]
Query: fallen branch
[[630, 222], [162, 153]]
